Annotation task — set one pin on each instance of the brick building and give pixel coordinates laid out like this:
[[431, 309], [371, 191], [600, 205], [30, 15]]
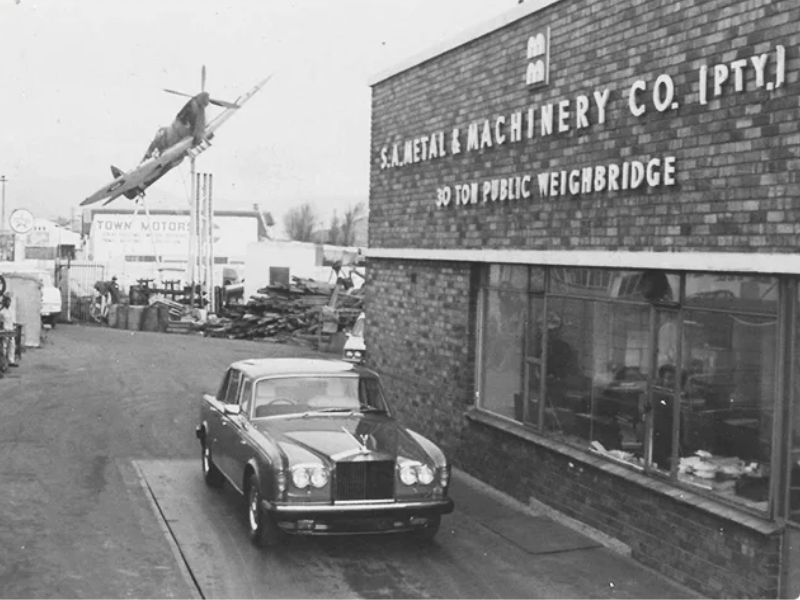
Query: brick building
[[583, 277]]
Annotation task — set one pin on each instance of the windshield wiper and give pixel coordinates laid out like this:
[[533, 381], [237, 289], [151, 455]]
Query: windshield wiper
[[372, 409]]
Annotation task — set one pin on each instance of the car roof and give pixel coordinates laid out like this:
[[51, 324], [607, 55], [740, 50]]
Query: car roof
[[276, 367]]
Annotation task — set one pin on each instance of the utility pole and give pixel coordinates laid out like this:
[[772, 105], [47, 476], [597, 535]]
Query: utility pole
[[3, 216]]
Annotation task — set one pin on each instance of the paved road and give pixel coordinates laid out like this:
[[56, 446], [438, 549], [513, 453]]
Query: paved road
[[102, 497]]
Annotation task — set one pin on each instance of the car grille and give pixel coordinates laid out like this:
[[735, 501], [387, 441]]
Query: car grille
[[365, 480]]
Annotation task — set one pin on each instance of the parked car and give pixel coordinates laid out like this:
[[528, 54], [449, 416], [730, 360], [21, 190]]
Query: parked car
[[51, 303], [355, 349], [315, 449]]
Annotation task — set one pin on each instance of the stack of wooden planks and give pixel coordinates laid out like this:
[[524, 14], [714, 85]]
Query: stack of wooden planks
[[302, 311]]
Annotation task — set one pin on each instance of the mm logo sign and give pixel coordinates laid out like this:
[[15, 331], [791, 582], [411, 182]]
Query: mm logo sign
[[537, 70]]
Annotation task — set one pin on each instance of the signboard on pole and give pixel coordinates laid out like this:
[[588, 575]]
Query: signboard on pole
[[7, 246]]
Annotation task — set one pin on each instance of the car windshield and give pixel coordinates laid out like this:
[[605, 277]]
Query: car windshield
[[307, 394], [358, 327]]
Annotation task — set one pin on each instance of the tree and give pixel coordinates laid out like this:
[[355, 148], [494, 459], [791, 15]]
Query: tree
[[299, 222], [335, 231], [347, 229]]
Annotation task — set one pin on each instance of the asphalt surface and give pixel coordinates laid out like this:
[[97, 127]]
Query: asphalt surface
[[102, 496]]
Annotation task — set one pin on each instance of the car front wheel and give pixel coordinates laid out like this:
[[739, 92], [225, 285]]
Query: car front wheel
[[261, 526], [211, 473]]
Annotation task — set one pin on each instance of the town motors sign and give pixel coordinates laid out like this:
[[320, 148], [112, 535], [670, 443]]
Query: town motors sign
[[128, 234]]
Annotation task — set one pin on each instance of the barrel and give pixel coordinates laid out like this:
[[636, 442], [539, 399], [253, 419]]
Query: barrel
[[135, 314]]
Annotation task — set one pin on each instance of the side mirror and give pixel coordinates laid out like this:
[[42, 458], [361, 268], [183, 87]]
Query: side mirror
[[232, 409]]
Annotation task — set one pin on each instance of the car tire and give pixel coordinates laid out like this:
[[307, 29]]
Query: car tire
[[261, 526], [427, 533], [212, 475]]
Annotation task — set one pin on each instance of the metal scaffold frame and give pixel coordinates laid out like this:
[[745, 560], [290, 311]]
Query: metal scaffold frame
[[201, 240]]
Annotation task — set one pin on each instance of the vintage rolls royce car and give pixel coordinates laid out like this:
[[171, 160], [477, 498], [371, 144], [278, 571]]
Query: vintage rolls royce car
[[313, 446]]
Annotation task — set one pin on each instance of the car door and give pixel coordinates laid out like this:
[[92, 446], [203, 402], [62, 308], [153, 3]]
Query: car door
[[240, 429], [212, 415], [228, 435]]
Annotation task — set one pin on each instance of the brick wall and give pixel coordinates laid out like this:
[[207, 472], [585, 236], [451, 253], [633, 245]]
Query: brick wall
[[420, 317], [738, 156], [707, 553]]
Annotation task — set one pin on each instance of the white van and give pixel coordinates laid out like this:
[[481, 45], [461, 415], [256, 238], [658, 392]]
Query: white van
[[51, 295]]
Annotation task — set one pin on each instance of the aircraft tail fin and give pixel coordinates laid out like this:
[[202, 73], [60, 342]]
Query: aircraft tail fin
[[117, 173]]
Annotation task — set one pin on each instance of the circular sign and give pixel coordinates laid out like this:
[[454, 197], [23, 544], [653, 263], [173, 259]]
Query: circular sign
[[21, 220]]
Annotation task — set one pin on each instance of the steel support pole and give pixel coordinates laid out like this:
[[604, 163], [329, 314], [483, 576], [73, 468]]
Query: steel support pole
[[190, 259], [212, 306], [3, 216]]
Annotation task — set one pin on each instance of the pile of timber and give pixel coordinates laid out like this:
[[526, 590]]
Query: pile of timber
[[303, 311]]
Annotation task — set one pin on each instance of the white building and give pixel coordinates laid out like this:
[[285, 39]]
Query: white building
[[133, 245]]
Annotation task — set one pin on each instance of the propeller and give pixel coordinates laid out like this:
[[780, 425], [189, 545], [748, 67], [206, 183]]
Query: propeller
[[223, 103], [213, 101]]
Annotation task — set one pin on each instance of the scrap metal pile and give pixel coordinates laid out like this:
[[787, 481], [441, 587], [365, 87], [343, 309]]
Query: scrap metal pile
[[304, 311]]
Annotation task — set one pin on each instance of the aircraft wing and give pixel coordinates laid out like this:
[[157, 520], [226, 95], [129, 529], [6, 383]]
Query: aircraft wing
[[143, 175], [226, 114]]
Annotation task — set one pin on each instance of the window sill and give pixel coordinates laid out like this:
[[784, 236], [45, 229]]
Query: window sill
[[630, 473]]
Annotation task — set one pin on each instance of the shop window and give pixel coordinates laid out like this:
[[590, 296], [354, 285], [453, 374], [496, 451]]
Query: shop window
[[732, 292], [672, 374], [501, 381], [648, 286], [597, 370], [793, 499], [513, 277], [726, 404], [581, 281]]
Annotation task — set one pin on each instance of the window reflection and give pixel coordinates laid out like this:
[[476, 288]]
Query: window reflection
[[635, 366], [727, 403], [502, 352], [565, 384], [793, 508], [509, 276], [732, 292]]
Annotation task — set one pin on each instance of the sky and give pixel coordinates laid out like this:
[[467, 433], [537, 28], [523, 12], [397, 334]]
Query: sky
[[82, 89]]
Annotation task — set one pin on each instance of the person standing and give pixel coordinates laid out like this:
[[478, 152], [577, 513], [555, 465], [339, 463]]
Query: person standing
[[8, 322]]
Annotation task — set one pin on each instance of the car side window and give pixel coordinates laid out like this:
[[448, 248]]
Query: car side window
[[232, 393], [246, 398], [223, 388]]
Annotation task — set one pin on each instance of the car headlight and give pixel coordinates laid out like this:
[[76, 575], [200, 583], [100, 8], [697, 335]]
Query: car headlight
[[415, 472], [408, 474], [425, 474], [348, 353], [319, 477], [313, 475]]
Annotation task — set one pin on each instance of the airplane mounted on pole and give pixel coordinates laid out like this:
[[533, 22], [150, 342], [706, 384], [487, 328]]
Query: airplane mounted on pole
[[188, 135]]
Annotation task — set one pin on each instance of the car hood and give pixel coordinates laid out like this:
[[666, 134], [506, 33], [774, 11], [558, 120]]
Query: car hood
[[338, 438], [355, 342]]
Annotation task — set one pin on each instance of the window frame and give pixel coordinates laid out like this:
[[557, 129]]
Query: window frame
[[786, 348]]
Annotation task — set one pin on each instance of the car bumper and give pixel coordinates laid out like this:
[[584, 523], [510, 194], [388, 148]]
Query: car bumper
[[322, 519]]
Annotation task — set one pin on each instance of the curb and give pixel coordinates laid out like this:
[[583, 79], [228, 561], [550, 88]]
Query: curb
[[535, 508]]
